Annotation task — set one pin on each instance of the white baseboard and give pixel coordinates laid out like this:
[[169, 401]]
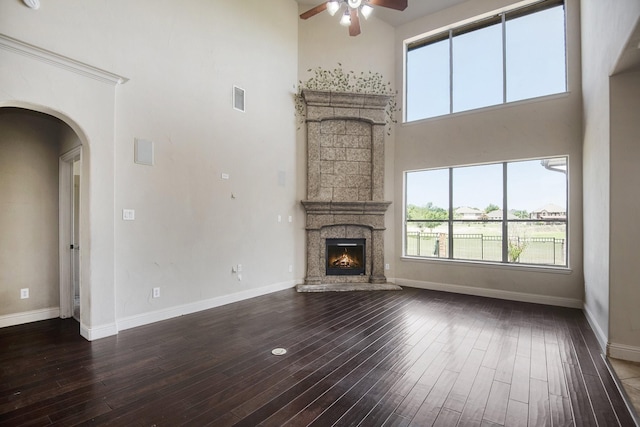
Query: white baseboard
[[97, 332], [624, 352], [492, 293], [29, 316], [181, 310], [597, 330]]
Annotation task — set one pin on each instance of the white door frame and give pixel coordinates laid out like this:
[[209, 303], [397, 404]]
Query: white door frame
[[66, 229]]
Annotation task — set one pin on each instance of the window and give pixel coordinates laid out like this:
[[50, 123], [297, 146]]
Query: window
[[514, 55], [510, 212]]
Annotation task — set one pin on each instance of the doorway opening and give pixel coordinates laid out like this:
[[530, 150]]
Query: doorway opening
[[70, 184]]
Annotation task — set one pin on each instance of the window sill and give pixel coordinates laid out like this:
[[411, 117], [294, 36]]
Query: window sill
[[492, 265], [542, 98]]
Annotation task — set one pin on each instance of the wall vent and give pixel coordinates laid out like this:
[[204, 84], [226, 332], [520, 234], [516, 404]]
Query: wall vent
[[143, 152], [238, 98]]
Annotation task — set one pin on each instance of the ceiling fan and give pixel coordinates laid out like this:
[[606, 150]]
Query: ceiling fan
[[351, 15]]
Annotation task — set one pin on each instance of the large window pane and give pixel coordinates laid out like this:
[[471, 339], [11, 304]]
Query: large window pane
[[535, 59], [427, 212], [428, 78], [529, 226], [477, 68], [477, 190]]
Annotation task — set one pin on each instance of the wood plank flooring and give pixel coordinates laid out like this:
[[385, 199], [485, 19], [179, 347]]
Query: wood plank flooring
[[408, 358]]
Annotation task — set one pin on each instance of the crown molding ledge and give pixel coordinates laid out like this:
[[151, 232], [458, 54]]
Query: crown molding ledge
[[52, 58]]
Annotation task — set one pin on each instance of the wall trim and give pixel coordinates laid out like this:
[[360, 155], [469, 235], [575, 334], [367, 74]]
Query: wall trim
[[624, 352], [52, 58], [29, 316], [492, 293], [95, 333], [181, 310], [597, 330]]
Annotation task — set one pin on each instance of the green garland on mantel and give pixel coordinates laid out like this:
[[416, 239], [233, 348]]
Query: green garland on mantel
[[338, 80]]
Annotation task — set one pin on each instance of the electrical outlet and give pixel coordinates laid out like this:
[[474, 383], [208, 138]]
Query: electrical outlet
[[156, 292], [24, 293], [386, 267], [128, 214]]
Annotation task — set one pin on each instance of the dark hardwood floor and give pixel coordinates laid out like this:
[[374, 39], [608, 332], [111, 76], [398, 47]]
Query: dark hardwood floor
[[408, 358]]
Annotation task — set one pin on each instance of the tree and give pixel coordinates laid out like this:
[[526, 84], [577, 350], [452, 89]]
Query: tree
[[491, 208], [428, 212]]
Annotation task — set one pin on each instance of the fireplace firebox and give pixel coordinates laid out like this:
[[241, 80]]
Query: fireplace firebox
[[345, 257]]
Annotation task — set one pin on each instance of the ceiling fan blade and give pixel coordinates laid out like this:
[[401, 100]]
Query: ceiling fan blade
[[391, 4], [354, 28], [312, 12]]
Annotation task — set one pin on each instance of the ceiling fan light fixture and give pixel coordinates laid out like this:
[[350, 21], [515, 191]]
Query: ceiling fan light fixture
[[346, 18], [354, 4], [333, 6], [366, 11]]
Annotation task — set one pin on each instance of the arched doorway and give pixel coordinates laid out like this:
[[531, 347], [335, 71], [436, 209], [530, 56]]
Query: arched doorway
[[40, 272]]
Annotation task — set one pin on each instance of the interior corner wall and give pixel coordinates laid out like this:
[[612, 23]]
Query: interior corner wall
[[548, 126], [29, 150], [323, 42], [624, 317], [605, 28]]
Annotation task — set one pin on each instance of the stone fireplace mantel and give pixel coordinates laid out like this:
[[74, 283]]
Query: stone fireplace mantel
[[345, 185]]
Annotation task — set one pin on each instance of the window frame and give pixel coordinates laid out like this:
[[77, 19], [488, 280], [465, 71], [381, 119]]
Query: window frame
[[504, 222], [501, 17]]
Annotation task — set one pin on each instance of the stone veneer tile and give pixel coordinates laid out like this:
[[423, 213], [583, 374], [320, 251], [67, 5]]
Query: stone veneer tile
[[329, 153], [346, 112], [376, 116], [345, 194], [319, 113], [346, 168], [364, 194], [327, 167], [327, 140], [334, 127], [325, 194], [364, 168], [358, 154], [361, 128]]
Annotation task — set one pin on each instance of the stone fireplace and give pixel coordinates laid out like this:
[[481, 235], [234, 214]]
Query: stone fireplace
[[345, 191]]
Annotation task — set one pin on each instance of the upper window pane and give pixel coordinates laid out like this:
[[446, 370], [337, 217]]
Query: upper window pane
[[535, 54], [428, 76], [477, 68]]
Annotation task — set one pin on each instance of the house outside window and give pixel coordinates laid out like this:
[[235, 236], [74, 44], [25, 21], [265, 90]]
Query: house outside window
[[510, 212], [509, 56]]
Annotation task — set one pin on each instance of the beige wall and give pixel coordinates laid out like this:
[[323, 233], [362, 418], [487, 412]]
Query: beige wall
[[543, 127], [606, 27], [624, 316], [29, 150]]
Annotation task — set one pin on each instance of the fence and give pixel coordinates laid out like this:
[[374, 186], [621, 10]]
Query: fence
[[534, 250]]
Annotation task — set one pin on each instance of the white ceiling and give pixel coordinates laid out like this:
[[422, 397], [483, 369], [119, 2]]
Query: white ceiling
[[414, 10]]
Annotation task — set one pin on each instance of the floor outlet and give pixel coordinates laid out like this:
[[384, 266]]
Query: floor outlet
[[156, 292]]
